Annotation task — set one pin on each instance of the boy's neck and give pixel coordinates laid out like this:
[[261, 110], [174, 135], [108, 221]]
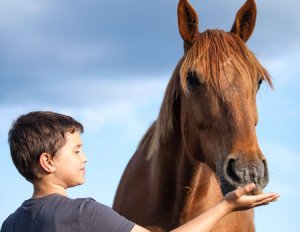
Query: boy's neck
[[42, 187]]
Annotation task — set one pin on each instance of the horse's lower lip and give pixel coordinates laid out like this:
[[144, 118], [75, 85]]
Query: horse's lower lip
[[257, 191]]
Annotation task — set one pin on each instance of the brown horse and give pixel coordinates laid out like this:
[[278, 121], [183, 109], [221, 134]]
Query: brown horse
[[203, 143]]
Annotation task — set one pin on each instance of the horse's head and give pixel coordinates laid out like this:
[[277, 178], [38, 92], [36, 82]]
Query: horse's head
[[219, 80]]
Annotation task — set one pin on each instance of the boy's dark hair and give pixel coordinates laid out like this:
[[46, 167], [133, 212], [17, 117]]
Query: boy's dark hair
[[35, 133]]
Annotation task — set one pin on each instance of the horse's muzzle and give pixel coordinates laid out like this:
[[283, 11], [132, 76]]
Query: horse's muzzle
[[240, 169]]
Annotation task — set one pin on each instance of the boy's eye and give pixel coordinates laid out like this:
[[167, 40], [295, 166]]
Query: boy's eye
[[77, 151]]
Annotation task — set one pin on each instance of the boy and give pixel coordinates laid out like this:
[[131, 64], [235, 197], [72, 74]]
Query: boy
[[46, 149]]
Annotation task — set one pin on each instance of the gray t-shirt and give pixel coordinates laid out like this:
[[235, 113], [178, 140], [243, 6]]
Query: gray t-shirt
[[56, 213]]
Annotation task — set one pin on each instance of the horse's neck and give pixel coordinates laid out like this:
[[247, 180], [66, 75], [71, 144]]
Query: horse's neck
[[202, 193], [178, 181]]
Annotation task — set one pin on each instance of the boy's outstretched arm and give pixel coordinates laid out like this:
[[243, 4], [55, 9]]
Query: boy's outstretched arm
[[233, 201]]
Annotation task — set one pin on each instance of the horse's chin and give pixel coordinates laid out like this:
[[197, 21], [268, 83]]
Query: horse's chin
[[257, 191], [229, 188]]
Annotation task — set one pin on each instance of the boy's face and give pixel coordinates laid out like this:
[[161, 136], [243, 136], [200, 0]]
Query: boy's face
[[69, 162]]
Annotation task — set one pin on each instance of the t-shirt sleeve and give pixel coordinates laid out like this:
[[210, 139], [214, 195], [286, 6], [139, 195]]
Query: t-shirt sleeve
[[96, 217]]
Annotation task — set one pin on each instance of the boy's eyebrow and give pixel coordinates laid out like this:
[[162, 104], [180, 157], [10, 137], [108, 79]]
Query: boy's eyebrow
[[78, 145]]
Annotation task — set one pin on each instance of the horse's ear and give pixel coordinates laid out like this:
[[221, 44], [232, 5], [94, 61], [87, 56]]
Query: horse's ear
[[245, 20], [187, 22]]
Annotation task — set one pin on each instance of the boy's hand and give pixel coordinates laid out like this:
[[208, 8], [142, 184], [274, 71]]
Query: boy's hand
[[236, 200]]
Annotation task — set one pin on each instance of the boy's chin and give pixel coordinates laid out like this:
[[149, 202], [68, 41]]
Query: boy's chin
[[81, 182]]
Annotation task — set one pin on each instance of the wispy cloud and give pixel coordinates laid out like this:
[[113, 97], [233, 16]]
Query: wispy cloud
[[97, 102], [284, 166]]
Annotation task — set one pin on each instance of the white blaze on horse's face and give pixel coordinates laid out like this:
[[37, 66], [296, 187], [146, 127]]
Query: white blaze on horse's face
[[220, 78]]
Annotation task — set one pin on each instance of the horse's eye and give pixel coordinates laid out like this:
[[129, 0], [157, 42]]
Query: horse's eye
[[259, 83], [192, 80]]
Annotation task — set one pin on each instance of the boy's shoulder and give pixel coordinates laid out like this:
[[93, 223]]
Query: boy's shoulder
[[56, 213], [53, 208], [54, 201]]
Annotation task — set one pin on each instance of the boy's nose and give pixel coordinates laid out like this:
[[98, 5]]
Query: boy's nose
[[84, 158]]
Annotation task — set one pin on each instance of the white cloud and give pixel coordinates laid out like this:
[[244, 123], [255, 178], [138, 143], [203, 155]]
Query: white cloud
[[285, 160], [13, 13], [285, 69], [96, 102], [284, 166]]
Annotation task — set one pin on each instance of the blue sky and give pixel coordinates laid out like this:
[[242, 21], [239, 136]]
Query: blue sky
[[107, 63]]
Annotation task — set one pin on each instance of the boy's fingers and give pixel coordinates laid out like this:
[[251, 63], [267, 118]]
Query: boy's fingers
[[266, 201], [262, 197], [260, 203], [242, 191]]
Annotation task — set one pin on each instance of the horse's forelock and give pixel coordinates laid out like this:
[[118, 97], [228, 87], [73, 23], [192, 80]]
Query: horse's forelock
[[214, 49]]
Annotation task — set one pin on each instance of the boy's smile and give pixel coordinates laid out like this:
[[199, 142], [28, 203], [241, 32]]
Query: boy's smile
[[69, 162]]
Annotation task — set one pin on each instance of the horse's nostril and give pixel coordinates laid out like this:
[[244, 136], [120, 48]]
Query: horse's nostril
[[231, 170], [265, 177], [265, 164]]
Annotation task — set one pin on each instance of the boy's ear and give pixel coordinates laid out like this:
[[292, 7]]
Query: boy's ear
[[46, 162]]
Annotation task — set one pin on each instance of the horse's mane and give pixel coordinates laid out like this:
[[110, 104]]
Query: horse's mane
[[213, 49]]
